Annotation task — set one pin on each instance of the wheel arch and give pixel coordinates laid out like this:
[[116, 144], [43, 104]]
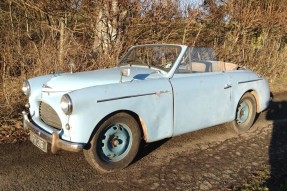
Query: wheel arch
[[239, 124], [257, 99], [255, 94], [139, 120]]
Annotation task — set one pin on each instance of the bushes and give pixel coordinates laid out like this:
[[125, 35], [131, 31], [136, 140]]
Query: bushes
[[37, 38]]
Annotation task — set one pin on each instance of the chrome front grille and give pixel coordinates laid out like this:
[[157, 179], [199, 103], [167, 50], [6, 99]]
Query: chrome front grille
[[49, 116]]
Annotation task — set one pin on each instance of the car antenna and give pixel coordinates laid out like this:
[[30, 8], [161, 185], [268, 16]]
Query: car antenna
[[71, 65]]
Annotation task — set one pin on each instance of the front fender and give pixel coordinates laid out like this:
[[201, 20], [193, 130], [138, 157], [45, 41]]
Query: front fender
[[247, 81], [151, 100]]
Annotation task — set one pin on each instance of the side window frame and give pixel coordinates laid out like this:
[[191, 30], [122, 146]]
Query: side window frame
[[186, 63]]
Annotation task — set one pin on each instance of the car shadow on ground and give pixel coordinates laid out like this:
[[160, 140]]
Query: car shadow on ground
[[278, 146], [147, 148]]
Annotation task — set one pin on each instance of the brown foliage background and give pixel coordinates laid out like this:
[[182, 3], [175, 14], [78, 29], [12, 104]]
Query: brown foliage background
[[38, 37]]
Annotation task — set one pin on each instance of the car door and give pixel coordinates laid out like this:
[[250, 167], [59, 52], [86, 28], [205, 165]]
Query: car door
[[200, 100]]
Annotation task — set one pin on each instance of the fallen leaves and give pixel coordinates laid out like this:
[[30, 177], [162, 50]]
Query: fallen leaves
[[12, 132]]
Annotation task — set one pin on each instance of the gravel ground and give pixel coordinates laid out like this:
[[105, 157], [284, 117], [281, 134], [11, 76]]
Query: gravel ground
[[210, 159]]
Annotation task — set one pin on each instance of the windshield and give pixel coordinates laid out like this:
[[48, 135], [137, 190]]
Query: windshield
[[158, 56]]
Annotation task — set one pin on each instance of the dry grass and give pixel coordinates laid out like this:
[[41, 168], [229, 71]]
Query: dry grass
[[279, 84], [33, 42]]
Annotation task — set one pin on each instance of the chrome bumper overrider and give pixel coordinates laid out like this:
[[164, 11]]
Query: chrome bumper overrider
[[56, 143]]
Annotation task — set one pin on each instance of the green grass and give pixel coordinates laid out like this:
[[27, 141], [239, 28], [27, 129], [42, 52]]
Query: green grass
[[258, 181]]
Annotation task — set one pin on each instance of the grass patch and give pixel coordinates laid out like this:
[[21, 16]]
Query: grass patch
[[261, 180], [258, 181]]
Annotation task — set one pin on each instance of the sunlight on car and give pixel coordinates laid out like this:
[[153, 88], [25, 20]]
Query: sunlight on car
[[155, 92]]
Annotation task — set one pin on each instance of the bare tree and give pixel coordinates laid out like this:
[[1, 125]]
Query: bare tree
[[108, 24]]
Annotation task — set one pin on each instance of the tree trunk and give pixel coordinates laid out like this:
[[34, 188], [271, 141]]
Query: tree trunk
[[61, 44], [109, 24]]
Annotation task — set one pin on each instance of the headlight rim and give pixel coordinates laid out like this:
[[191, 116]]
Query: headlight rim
[[26, 88], [66, 104]]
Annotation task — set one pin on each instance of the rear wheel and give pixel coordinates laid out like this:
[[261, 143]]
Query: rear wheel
[[115, 144], [245, 114]]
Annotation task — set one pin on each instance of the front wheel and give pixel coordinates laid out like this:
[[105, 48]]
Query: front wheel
[[115, 143], [245, 114]]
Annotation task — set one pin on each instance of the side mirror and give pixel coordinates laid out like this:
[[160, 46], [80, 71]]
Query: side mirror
[[126, 72]]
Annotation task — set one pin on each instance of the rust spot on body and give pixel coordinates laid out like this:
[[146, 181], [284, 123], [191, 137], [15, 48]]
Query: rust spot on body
[[256, 99], [144, 128], [161, 92]]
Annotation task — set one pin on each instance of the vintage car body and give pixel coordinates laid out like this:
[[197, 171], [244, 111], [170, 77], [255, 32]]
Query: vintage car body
[[70, 110]]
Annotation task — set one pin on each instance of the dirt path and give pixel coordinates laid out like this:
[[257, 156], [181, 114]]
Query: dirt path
[[210, 159]]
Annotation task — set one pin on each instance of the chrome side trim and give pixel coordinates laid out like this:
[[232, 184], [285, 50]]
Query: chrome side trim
[[125, 97], [56, 143], [249, 81]]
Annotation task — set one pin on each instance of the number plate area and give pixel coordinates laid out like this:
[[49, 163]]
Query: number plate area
[[39, 142]]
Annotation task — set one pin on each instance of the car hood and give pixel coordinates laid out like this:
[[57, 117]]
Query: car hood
[[66, 82]]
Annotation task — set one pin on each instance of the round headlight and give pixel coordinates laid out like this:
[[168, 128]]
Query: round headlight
[[66, 104], [26, 88]]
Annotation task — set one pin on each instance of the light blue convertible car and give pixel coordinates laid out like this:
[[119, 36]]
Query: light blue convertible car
[[155, 92]]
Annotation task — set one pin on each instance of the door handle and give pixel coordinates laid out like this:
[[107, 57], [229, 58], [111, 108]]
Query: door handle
[[227, 86]]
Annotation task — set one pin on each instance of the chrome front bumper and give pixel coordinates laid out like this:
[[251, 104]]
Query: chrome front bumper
[[56, 143]]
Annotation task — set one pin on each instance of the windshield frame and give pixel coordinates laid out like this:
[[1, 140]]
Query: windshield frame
[[172, 69]]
